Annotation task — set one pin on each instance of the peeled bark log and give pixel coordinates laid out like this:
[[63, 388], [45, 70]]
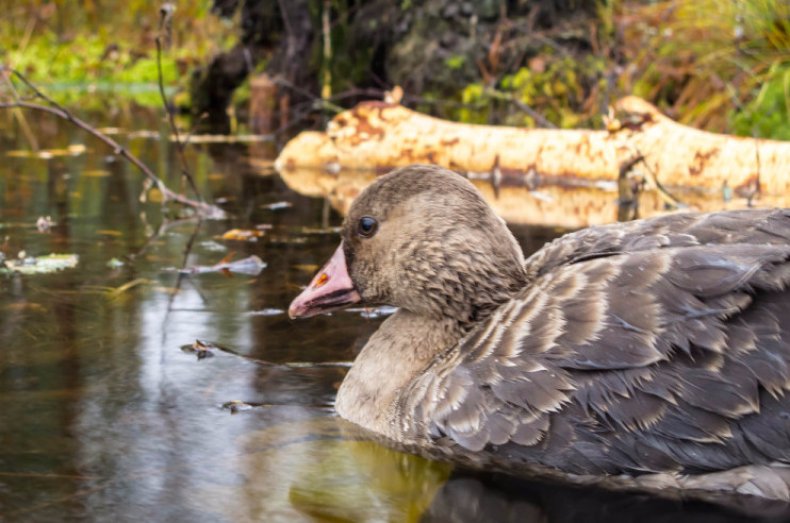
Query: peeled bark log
[[702, 170]]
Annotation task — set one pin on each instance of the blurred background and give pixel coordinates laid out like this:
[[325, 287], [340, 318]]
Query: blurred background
[[719, 65]]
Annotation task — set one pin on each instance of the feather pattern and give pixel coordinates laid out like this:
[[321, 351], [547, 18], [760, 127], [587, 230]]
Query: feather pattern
[[647, 347]]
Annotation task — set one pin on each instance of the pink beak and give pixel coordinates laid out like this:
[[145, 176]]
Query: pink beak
[[331, 289]]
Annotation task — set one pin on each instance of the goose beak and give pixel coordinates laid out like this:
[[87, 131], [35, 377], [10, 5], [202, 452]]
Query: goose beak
[[331, 289]]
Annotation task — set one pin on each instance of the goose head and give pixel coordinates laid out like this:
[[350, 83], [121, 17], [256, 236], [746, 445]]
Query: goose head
[[420, 238]]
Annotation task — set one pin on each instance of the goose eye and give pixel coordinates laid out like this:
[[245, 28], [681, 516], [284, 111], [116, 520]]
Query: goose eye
[[367, 226]]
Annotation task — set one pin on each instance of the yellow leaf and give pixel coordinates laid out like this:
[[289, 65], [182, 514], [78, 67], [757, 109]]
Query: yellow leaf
[[155, 196], [109, 232], [96, 173], [243, 235]]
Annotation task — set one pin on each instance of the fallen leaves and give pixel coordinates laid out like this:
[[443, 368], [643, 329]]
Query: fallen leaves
[[200, 348], [251, 265], [46, 154], [41, 264], [243, 235]]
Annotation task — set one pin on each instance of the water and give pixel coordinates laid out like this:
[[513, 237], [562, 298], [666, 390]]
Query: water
[[103, 415]]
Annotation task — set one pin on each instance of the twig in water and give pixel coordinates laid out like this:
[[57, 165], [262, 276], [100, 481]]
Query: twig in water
[[165, 21], [180, 279], [628, 191], [204, 209], [19, 114], [668, 198]]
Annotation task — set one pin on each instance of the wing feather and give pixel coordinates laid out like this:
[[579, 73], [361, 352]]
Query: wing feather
[[652, 347]]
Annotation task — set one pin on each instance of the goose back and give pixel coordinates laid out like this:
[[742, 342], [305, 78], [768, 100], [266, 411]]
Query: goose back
[[653, 346]]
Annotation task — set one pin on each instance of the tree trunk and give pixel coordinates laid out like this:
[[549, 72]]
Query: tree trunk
[[657, 161]]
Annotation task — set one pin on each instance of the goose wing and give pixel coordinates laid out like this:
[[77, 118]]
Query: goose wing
[[671, 230], [662, 359]]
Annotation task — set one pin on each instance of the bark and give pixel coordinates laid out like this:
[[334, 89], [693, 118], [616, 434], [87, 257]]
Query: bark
[[657, 159]]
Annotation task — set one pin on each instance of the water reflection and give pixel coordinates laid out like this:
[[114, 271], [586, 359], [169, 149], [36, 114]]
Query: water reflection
[[520, 201], [104, 417]]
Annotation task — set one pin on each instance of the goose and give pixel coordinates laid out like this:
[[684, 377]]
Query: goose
[[656, 352]]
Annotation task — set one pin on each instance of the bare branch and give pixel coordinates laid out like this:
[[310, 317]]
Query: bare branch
[[165, 20], [205, 210]]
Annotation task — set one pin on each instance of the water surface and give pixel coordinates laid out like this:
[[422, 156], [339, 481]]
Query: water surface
[[103, 415]]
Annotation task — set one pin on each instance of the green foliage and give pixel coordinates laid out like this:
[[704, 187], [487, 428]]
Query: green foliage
[[476, 103], [455, 62], [88, 67], [85, 51], [719, 65], [767, 115], [558, 88], [714, 64]]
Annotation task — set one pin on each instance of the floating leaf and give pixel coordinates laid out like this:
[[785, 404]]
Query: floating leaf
[[109, 232], [309, 268], [243, 235], [267, 312], [200, 348], [235, 406], [25, 307], [42, 264], [115, 263], [21, 154], [46, 154], [76, 149], [213, 246], [251, 265], [277, 206], [96, 173]]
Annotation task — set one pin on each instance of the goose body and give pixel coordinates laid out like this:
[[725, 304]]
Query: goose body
[[657, 350]]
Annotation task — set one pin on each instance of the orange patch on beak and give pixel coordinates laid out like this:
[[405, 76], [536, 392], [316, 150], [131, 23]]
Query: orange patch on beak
[[330, 290]]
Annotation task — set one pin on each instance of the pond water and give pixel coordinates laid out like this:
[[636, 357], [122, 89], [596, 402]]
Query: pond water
[[105, 416]]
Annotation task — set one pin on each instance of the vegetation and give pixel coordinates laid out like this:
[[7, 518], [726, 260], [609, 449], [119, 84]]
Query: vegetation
[[76, 49], [720, 65], [713, 64]]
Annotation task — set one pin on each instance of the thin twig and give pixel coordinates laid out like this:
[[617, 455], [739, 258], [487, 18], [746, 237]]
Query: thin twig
[[165, 18], [163, 227], [180, 279], [317, 101], [663, 193], [19, 114], [540, 120], [204, 209]]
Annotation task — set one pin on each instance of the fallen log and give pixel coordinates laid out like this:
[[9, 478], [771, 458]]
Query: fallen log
[[668, 164]]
